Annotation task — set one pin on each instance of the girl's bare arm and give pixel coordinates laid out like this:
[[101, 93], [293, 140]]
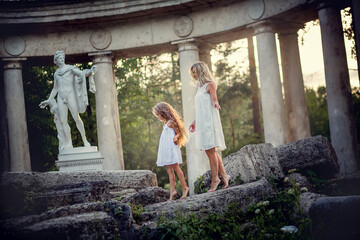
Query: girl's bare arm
[[177, 132]]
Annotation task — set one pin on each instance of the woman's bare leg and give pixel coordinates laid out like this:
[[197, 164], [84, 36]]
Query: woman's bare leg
[[225, 177], [214, 165], [181, 177], [171, 174]]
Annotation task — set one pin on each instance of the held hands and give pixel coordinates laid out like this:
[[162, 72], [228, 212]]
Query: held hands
[[192, 127]]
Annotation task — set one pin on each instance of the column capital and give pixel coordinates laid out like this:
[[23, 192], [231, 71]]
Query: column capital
[[102, 56], [287, 28], [187, 44], [262, 27], [205, 46], [13, 63]]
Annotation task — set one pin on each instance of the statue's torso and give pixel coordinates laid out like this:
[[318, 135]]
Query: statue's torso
[[65, 81]]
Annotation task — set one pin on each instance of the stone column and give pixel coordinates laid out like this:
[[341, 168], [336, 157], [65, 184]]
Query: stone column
[[16, 115], [204, 53], [340, 109], [270, 86], [107, 112], [296, 108], [197, 161]]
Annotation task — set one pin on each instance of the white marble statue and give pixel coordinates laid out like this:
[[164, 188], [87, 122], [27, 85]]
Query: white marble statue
[[70, 87]]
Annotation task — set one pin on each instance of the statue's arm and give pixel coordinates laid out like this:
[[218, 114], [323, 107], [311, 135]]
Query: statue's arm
[[53, 93], [76, 71]]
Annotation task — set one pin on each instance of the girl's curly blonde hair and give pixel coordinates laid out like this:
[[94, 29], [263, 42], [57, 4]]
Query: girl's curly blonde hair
[[167, 112]]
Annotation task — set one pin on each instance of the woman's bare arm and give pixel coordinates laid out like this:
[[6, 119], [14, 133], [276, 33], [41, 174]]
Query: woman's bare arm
[[211, 89]]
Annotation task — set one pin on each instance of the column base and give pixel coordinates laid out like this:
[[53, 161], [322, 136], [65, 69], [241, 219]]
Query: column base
[[81, 159]]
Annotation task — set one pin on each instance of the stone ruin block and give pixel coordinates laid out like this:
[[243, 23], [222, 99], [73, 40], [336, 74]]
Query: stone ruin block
[[249, 164], [315, 153]]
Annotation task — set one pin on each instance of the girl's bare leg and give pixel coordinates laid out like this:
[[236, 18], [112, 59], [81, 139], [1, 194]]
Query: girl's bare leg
[[171, 174], [222, 172], [181, 177], [214, 165]]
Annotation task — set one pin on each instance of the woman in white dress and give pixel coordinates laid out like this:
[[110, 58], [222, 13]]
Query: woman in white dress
[[209, 134], [173, 137]]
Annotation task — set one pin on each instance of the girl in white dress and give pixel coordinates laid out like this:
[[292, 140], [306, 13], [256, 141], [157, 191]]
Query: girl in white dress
[[173, 137], [209, 134]]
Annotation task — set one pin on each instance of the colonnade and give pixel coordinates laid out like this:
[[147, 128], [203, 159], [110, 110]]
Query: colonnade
[[284, 121]]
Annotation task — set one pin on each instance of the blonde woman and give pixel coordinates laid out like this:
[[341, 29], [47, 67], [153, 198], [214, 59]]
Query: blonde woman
[[209, 134]]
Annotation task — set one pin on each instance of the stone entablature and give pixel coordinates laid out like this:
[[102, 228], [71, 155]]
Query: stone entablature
[[151, 35]]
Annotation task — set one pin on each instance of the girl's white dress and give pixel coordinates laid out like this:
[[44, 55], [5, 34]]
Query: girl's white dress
[[208, 128], [168, 152]]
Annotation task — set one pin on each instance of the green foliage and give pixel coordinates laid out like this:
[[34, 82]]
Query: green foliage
[[136, 211], [317, 111], [348, 28], [318, 183], [356, 106], [199, 186], [43, 142], [143, 82], [262, 220], [234, 94]]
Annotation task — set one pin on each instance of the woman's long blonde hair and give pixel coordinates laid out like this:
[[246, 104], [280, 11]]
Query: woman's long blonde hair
[[167, 112], [200, 72]]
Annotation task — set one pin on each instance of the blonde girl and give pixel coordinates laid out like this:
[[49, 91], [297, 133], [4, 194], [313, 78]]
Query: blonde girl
[[209, 134], [173, 137]]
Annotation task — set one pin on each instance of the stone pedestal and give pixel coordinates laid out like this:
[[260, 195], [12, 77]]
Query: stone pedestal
[[197, 161], [80, 159]]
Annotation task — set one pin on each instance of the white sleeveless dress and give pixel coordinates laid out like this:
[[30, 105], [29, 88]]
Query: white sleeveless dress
[[208, 128], [168, 152]]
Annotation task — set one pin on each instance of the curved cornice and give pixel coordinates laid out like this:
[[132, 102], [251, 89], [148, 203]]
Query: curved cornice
[[40, 12]]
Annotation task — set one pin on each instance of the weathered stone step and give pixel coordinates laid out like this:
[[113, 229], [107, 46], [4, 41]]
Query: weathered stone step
[[261, 160], [213, 202], [248, 164], [119, 180], [71, 222]]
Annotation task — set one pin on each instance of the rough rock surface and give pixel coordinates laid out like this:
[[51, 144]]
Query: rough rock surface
[[147, 196], [81, 221], [63, 195], [307, 199], [315, 153], [119, 180], [249, 164], [302, 180], [215, 202]]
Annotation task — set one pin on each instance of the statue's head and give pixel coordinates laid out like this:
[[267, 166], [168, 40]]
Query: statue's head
[[58, 54]]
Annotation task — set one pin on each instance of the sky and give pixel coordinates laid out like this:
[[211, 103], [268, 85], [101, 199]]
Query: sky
[[311, 57], [312, 62]]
